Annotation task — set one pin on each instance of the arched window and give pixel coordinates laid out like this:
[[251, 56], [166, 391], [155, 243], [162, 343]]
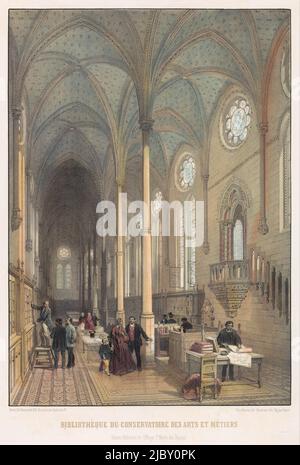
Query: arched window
[[273, 286], [190, 245], [233, 222], [156, 241], [187, 245], [279, 290], [138, 264], [127, 266], [68, 276], [59, 276], [238, 240]]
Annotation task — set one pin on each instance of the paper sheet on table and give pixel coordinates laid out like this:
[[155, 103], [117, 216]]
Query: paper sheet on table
[[243, 360]]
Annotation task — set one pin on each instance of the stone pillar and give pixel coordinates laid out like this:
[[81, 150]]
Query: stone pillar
[[28, 211], [95, 278], [263, 227], [79, 278], [147, 317], [89, 289], [120, 257], [205, 178], [104, 283]]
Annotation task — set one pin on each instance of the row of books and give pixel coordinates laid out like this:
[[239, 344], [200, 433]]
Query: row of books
[[202, 347]]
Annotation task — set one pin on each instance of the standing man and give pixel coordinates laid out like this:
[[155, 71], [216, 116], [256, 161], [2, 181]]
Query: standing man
[[135, 333], [45, 324], [59, 342], [228, 336], [70, 341]]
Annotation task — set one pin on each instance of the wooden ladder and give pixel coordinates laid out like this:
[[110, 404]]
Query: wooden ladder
[[42, 357]]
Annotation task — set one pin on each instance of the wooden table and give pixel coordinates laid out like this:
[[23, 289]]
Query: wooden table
[[194, 358]]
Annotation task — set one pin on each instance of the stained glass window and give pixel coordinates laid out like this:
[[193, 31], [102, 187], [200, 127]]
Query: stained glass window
[[156, 241], [237, 122], [186, 173], [157, 203], [238, 241], [68, 276], [64, 252], [190, 244], [59, 276]]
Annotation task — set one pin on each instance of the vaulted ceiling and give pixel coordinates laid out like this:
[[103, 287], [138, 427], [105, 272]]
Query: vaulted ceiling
[[88, 76]]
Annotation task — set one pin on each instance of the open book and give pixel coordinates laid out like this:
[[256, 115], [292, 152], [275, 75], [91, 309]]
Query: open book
[[240, 350]]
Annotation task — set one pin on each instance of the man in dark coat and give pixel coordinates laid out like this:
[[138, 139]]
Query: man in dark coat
[[171, 318], [185, 324], [135, 333], [59, 343], [228, 336]]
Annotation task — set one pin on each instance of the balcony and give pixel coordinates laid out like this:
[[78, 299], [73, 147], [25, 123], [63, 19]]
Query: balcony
[[230, 282]]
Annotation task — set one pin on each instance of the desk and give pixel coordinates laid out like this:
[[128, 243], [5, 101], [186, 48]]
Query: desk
[[179, 343], [89, 344], [193, 363]]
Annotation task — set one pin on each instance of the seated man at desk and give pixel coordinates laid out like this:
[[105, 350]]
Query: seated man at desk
[[185, 324], [171, 318], [164, 320], [228, 336]]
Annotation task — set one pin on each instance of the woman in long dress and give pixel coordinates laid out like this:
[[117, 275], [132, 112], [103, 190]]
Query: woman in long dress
[[121, 361]]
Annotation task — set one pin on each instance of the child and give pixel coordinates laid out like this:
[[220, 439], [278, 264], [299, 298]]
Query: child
[[105, 356]]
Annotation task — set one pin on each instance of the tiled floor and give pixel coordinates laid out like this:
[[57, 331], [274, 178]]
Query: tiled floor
[[156, 385]]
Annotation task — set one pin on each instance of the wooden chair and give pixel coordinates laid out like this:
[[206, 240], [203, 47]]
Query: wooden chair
[[208, 375]]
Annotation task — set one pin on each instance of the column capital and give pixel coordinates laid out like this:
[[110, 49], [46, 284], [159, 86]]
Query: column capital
[[146, 124], [263, 127]]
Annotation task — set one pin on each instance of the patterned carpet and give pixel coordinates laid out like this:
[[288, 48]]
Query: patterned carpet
[[83, 385]]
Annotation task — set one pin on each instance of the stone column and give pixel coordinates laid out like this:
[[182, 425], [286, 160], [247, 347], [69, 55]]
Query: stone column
[[263, 227], [16, 218], [89, 289], [205, 178], [120, 256], [28, 211], [147, 317], [79, 278], [104, 283], [95, 278]]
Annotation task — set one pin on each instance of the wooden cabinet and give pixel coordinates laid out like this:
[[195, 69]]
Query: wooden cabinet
[[179, 343], [15, 365]]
